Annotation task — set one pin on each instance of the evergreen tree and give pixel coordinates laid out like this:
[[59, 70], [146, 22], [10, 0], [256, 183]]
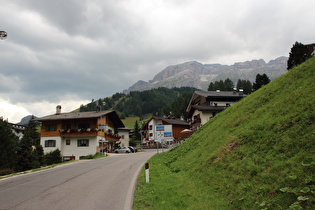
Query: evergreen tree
[[178, 106], [260, 81], [28, 156], [246, 85], [298, 54], [136, 137], [211, 87], [8, 146], [228, 85]]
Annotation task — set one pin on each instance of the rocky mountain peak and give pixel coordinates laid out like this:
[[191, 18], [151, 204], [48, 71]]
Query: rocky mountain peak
[[198, 75]]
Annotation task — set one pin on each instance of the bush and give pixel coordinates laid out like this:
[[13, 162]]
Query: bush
[[97, 155], [6, 171], [87, 157], [53, 157]]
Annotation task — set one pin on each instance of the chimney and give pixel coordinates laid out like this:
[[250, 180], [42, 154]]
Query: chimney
[[58, 109]]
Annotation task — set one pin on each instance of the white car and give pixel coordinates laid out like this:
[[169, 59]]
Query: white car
[[122, 150]]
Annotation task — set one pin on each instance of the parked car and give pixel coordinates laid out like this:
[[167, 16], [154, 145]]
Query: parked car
[[133, 149], [122, 150]]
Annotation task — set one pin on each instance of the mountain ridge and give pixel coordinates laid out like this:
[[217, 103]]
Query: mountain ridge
[[198, 75]]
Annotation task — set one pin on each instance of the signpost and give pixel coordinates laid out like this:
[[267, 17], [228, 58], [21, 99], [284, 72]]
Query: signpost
[[163, 133], [102, 126], [147, 173]]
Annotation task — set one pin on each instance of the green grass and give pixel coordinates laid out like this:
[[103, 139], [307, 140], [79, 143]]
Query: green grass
[[251, 156], [129, 122]]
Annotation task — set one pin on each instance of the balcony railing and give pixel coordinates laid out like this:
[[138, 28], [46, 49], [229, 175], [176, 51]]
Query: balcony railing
[[88, 131], [79, 130]]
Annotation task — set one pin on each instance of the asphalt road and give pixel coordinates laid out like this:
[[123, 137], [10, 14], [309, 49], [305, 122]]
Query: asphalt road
[[105, 183]]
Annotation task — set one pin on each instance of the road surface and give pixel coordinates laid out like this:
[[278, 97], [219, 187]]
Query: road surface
[[105, 183]]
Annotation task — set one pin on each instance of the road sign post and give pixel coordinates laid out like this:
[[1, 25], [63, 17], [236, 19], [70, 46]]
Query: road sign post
[[147, 173], [162, 134]]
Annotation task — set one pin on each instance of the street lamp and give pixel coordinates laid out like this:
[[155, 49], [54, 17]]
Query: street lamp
[[3, 35]]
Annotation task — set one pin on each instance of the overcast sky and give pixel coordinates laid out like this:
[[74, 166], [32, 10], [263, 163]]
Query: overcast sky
[[69, 52]]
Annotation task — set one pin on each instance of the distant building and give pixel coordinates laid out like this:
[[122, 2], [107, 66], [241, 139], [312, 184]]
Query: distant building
[[18, 130], [78, 134], [124, 136], [178, 126], [204, 105]]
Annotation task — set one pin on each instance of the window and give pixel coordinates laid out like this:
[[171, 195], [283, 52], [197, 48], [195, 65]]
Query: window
[[50, 143], [122, 136], [68, 142], [51, 127], [150, 127], [83, 143]]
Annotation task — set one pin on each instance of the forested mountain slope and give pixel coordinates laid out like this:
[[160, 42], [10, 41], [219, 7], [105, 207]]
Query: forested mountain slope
[[257, 154], [140, 103]]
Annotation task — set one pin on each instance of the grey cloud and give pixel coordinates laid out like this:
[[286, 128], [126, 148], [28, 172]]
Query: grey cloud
[[92, 49]]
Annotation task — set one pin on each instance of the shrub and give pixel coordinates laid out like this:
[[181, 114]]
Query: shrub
[[53, 157], [87, 157], [6, 171]]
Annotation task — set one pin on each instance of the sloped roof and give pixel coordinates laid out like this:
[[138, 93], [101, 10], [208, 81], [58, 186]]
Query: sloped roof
[[208, 94], [215, 95], [167, 120], [84, 115], [208, 108], [172, 121]]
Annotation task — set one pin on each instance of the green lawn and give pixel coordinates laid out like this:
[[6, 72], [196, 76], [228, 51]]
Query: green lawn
[[129, 122]]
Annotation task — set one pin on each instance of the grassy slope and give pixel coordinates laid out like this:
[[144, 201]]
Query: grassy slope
[[245, 155], [129, 122]]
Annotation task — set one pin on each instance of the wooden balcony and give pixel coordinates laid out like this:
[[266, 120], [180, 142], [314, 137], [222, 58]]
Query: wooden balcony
[[79, 132]]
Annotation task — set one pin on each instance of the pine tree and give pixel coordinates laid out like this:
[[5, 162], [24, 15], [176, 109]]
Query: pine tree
[[298, 54], [8, 146], [228, 85], [246, 85], [28, 156], [136, 137], [260, 81]]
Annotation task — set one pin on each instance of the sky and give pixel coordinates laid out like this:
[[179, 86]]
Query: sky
[[68, 52]]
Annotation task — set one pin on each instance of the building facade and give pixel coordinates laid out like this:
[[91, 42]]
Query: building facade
[[204, 105], [178, 126], [78, 134]]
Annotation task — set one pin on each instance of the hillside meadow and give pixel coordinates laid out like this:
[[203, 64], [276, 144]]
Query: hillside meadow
[[257, 154]]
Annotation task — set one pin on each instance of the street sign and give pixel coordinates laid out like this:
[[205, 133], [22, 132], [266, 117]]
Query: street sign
[[102, 126], [163, 133]]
